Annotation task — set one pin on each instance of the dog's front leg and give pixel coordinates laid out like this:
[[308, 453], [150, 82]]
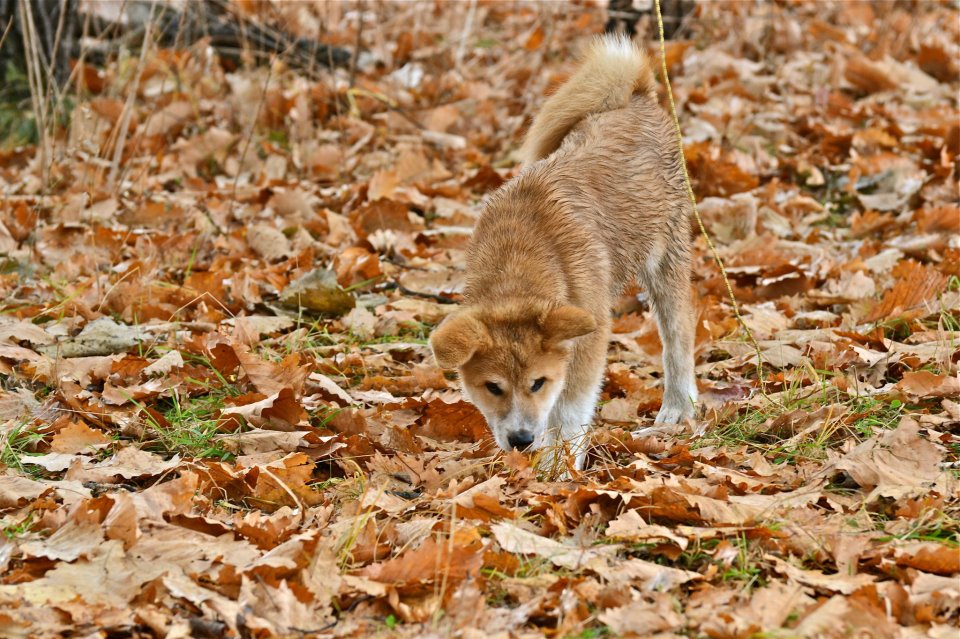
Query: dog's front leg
[[570, 424], [669, 291]]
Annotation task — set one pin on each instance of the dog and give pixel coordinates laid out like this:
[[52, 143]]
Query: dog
[[601, 200]]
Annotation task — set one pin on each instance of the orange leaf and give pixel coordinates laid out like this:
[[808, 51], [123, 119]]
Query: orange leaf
[[924, 384], [534, 40], [917, 286], [431, 563]]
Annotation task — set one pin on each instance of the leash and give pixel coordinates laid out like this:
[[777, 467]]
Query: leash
[[696, 211]]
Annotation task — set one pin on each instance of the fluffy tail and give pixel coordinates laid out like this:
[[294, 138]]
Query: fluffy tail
[[613, 69]]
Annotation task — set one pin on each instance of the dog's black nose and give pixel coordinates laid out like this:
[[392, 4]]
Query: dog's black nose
[[520, 439]]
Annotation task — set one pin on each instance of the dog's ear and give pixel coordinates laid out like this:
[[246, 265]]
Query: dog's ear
[[567, 322], [457, 338]]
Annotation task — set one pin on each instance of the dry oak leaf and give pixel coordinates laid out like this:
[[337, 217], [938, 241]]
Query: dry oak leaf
[[169, 119], [16, 490], [867, 75], [108, 578], [268, 242], [82, 370], [768, 609], [356, 264], [16, 331], [843, 584], [648, 575], [643, 616], [214, 143], [916, 288], [458, 421], [284, 483], [384, 214], [75, 539], [267, 530], [280, 411], [432, 562], [98, 338], [278, 611], [20, 620], [894, 464], [257, 326], [269, 377], [174, 497], [263, 441], [842, 616], [77, 437], [516, 540], [165, 364], [924, 384], [928, 556], [630, 526], [482, 501], [129, 463], [53, 462], [620, 410], [15, 405], [330, 389]]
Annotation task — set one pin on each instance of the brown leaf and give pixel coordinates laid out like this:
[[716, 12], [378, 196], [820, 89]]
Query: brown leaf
[[269, 377], [917, 286], [129, 462], [318, 291], [284, 483], [643, 616], [516, 540], [77, 437], [868, 76], [108, 578], [928, 556], [459, 421], [15, 490], [842, 617], [925, 385], [280, 411], [356, 264], [534, 40], [434, 561], [71, 541], [894, 464], [381, 215]]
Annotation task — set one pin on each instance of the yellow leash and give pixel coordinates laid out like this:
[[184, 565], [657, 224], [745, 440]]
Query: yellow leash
[[693, 202]]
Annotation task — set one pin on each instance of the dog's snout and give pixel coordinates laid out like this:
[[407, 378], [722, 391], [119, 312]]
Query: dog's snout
[[520, 439]]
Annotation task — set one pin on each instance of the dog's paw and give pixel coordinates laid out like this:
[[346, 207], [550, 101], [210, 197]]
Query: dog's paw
[[674, 413]]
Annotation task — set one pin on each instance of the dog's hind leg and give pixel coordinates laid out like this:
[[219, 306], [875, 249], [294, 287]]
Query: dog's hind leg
[[668, 282]]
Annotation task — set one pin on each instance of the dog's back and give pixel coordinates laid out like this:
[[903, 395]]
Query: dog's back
[[604, 150]]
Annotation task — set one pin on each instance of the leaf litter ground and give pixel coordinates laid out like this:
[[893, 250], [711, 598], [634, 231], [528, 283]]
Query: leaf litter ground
[[219, 416]]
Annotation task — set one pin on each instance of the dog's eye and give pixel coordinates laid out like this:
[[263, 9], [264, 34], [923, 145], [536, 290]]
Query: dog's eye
[[538, 384], [494, 389]]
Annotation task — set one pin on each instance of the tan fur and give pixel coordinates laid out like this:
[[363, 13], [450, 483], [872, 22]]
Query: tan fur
[[556, 245], [613, 68]]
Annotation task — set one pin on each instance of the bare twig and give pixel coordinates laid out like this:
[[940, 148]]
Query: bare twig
[[125, 118], [359, 42], [465, 34]]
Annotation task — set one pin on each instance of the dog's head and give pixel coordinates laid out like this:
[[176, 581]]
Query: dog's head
[[512, 364]]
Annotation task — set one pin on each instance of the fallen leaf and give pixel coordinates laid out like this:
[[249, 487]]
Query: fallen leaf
[[319, 292], [925, 385], [77, 437]]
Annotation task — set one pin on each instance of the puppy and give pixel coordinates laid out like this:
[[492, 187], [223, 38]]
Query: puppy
[[600, 202]]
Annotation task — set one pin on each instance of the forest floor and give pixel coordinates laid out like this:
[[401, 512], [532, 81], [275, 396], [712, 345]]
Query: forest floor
[[219, 415]]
